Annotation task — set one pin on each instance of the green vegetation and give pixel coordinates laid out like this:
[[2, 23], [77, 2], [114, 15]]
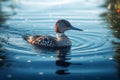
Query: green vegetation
[[113, 18]]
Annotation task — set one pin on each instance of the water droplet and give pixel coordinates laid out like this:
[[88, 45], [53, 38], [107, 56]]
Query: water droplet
[[1, 59], [28, 60], [9, 76], [40, 73], [51, 20], [81, 57], [51, 56], [86, 30], [17, 57], [110, 58], [105, 35], [37, 55], [7, 22], [51, 27], [43, 57]]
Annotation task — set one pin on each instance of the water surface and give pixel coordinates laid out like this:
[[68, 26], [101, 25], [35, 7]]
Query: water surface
[[91, 54]]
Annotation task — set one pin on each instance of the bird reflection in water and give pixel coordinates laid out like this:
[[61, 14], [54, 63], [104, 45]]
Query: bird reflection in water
[[62, 60]]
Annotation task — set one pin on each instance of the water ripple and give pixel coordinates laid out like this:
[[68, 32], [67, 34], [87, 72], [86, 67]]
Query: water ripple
[[82, 43], [89, 43]]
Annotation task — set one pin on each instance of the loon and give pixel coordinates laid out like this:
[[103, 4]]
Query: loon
[[60, 41]]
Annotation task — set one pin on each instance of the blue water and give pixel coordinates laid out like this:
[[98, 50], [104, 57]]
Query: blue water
[[91, 54]]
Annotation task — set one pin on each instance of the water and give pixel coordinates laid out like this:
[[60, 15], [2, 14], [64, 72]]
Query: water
[[91, 54]]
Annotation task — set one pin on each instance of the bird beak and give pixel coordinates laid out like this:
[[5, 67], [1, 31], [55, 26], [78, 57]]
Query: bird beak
[[74, 28]]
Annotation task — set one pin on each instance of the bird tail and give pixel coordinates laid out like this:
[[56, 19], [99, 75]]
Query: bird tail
[[25, 37]]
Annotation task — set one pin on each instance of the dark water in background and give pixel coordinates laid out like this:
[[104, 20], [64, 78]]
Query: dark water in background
[[91, 54]]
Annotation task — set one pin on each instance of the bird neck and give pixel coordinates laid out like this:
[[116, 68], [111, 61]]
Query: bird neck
[[59, 35], [62, 40]]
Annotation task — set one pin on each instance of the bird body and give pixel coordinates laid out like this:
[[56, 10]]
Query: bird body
[[61, 40]]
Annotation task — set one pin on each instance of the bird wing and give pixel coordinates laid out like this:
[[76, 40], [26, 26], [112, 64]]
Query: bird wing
[[45, 41]]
